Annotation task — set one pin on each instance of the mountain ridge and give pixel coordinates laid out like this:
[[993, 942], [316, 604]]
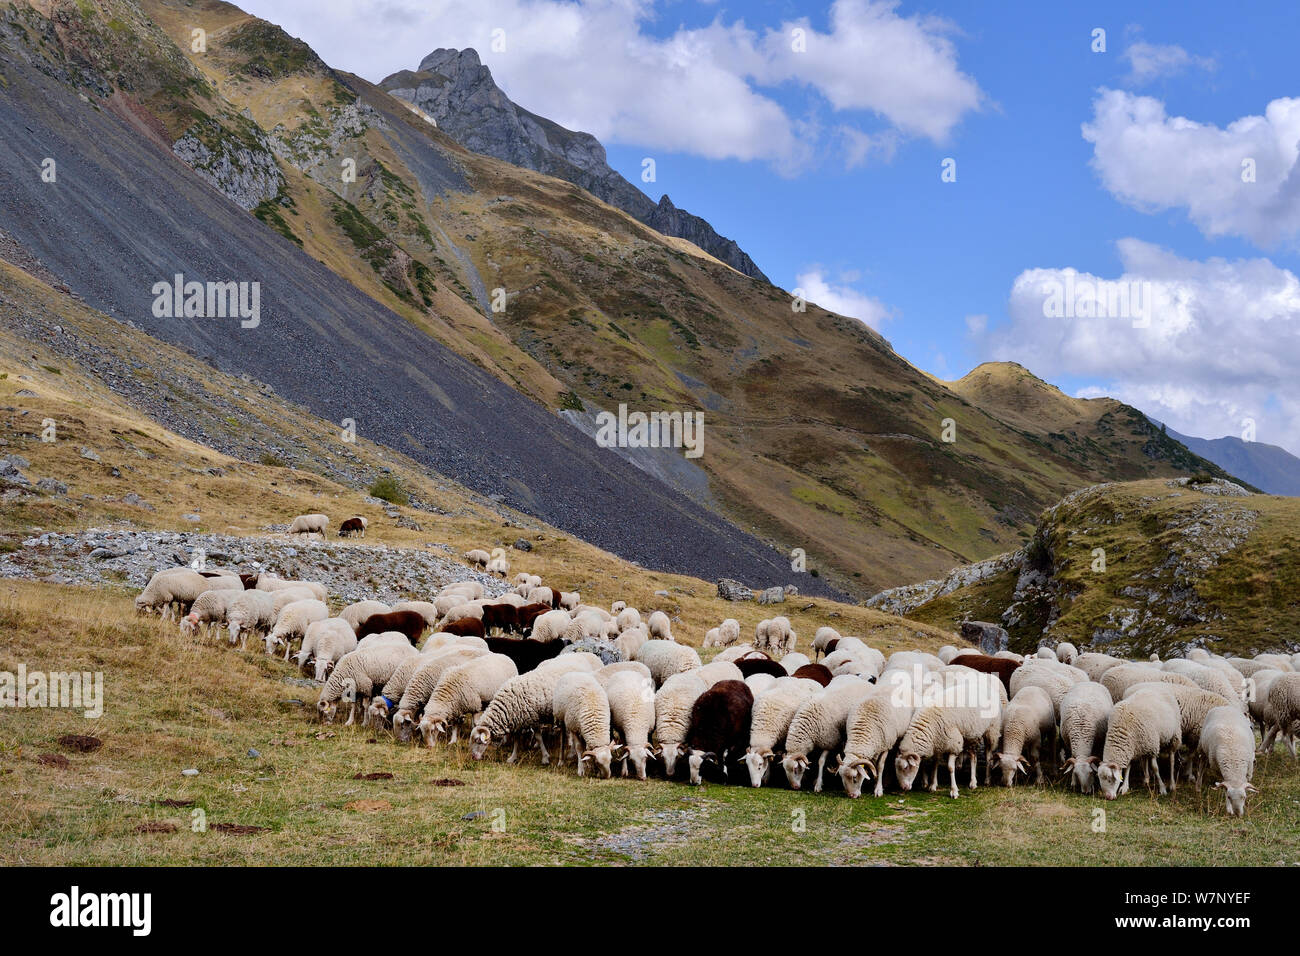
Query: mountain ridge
[[458, 91]]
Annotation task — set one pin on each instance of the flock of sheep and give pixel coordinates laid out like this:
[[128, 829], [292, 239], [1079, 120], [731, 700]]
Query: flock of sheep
[[611, 689]]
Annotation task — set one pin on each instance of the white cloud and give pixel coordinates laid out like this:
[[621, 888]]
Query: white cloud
[[1150, 61], [1222, 344], [1154, 162], [840, 296], [593, 65]]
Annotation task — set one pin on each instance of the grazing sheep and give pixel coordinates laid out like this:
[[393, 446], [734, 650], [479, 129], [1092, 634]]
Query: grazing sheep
[[499, 567], [673, 703], [1057, 685], [1119, 679], [1094, 665], [422, 676], [464, 690], [630, 641], [501, 616], [820, 725], [1281, 662], [1066, 652], [383, 639], [719, 727], [760, 683], [466, 627], [1029, 720], [659, 627], [1193, 704], [382, 704], [544, 595], [875, 726], [571, 599], [208, 608], [410, 623], [948, 730], [737, 652], [523, 704], [823, 637], [1247, 666], [1142, 727], [631, 699], [814, 672], [717, 671], [250, 611], [1085, 713], [550, 626], [309, 524], [1207, 678], [581, 708], [268, 582], [725, 634], [1256, 698], [793, 661], [749, 666], [477, 557], [175, 589], [1227, 749], [355, 614], [610, 671], [293, 622], [1282, 711], [325, 643], [775, 636], [352, 526], [770, 722], [666, 658], [358, 676], [627, 618]]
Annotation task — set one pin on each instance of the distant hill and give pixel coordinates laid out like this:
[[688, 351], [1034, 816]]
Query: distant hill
[[1269, 468]]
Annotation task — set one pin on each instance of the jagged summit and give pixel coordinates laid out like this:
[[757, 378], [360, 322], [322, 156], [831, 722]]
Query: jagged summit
[[458, 91]]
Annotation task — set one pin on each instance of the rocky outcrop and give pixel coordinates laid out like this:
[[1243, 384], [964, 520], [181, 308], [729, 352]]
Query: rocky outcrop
[[458, 93], [989, 638], [730, 590], [240, 164]]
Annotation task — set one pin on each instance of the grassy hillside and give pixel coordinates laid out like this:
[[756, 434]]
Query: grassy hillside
[[1186, 563], [171, 704], [819, 435]]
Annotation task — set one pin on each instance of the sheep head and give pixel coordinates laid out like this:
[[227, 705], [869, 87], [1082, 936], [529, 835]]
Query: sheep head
[[1082, 772], [696, 762], [854, 772], [1110, 775], [431, 730], [795, 765], [1009, 765], [1235, 797], [601, 758], [326, 710], [759, 764], [479, 741], [907, 766]]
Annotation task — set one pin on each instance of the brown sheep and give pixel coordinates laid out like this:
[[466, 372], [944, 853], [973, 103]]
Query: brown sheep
[[410, 623], [466, 626], [818, 672], [1001, 666]]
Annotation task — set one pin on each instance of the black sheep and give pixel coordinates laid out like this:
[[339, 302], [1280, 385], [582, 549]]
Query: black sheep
[[718, 731]]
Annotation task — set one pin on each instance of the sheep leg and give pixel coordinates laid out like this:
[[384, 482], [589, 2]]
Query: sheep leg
[[577, 753], [974, 761], [1173, 778], [1269, 738], [934, 781], [821, 768], [880, 775], [952, 775], [1128, 774], [1155, 765], [514, 754], [541, 745]]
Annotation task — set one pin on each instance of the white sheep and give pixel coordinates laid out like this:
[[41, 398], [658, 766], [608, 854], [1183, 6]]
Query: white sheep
[[250, 611], [874, 728], [432, 665], [1227, 749], [738, 652], [666, 658], [1143, 728], [775, 636], [522, 704], [581, 708], [1205, 677], [1281, 662], [208, 608], [793, 661], [953, 727], [717, 671], [673, 703], [1028, 721], [178, 588], [325, 643], [724, 635], [358, 676], [356, 614], [550, 626], [1248, 666], [293, 621], [617, 607], [659, 627], [823, 636], [571, 599], [760, 683], [1282, 711], [1056, 684], [542, 595], [1066, 652], [1085, 713], [819, 725], [309, 524], [770, 722], [381, 705], [1257, 696], [627, 618], [630, 641], [477, 557], [498, 566], [631, 697], [1119, 679], [464, 690], [470, 590], [1095, 665], [268, 582], [383, 639]]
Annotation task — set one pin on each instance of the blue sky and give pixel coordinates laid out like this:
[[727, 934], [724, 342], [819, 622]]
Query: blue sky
[[759, 142]]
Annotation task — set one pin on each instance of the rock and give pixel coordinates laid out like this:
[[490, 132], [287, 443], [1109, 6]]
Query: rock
[[605, 650], [103, 554], [661, 594], [52, 486], [773, 595], [88, 454], [730, 590], [989, 637], [17, 461], [192, 518], [254, 753], [523, 545], [791, 591], [191, 772], [475, 815]]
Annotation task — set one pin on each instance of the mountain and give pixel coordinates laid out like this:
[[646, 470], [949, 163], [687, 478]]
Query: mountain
[[320, 341], [1269, 468], [458, 92], [385, 247], [1136, 568]]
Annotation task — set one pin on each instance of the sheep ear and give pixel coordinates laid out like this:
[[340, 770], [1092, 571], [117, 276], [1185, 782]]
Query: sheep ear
[[1251, 788]]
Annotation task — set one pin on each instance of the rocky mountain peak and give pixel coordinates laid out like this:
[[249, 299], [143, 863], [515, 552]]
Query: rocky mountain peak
[[458, 91]]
